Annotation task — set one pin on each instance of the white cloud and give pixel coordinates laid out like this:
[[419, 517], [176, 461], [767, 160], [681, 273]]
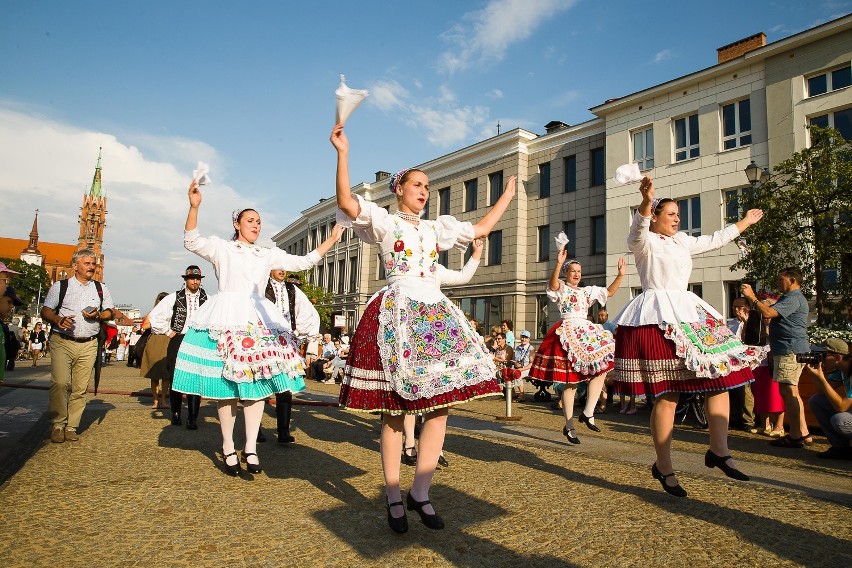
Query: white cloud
[[486, 34], [663, 55], [565, 99], [387, 95], [49, 165], [494, 94]]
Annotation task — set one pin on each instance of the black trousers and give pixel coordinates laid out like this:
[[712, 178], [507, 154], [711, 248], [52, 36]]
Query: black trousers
[[193, 401]]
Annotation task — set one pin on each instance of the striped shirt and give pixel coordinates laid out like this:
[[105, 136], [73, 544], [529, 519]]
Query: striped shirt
[[78, 297]]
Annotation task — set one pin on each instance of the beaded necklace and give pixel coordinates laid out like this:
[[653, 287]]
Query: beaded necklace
[[410, 217]]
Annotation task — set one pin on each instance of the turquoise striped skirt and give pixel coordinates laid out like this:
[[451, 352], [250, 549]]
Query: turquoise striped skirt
[[200, 370]]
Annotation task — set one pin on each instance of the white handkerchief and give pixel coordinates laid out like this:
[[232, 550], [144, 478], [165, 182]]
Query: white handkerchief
[[348, 99], [200, 173], [628, 173], [561, 239]]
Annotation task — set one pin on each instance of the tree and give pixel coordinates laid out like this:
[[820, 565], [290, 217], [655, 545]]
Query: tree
[[319, 297], [807, 223], [32, 283]]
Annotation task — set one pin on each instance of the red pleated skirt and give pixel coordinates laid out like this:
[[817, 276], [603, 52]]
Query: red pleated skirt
[[552, 363], [365, 388], [646, 363]]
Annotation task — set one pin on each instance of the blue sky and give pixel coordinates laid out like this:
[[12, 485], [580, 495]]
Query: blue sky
[[249, 88]]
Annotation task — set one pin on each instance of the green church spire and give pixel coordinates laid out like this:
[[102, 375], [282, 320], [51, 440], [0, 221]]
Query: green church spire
[[96, 190]]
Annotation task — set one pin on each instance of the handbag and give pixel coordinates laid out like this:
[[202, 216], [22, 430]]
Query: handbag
[[753, 329]]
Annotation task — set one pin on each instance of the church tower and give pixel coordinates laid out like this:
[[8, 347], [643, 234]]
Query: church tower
[[93, 220], [31, 254]]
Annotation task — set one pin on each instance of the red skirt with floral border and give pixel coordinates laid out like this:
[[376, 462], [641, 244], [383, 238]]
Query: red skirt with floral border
[[365, 388], [646, 363], [552, 364]]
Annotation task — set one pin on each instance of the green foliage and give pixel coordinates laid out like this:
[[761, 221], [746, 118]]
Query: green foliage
[[319, 297], [28, 281], [807, 222]]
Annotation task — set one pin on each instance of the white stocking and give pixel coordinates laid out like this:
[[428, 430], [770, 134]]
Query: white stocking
[[568, 405], [253, 413], [227, 410], [593, 394]]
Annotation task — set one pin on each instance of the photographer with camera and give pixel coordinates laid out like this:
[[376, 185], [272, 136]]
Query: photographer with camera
[[787, 338], [833, 411]]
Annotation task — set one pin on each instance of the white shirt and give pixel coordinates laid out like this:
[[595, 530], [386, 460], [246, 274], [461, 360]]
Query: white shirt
[[160, 317], [307, 316], [78, 297]]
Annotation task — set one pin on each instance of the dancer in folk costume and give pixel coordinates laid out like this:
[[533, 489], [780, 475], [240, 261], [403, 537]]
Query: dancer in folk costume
[[238, 345], [670, 341], [414, 351], [575, 349]]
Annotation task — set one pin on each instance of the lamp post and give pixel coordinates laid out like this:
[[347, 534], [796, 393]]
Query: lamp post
[[757, 176]]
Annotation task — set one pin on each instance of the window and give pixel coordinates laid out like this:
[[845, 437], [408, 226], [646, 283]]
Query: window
[[382, 273], [353, 274], [733, 204], [495, 183], [541, 319], [544, 179], [341, 276], [643, 148], [599, 235], [444, 201], [635, 292], [690, 215], [570, 165], [697, 289], [686, 138], [570, 230], [331, 277], [598, 167], [830, 81], [425, 213], [444, 259], [544, 243], [736, 124], [467, 254], [321, 276], [470, 195], [841, 120], [495, 247], [322, 234], [487, 311]]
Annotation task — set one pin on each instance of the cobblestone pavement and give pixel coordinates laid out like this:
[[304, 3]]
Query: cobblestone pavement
[[136, 491]]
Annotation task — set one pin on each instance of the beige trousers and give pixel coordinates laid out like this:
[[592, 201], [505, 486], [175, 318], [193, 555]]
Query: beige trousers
[[72, 365]]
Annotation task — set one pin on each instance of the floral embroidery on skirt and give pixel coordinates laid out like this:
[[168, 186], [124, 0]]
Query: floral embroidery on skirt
[[255, 351]]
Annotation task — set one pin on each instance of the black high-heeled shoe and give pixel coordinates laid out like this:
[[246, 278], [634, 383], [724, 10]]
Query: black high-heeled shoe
[[711, 460], [433, 521], [232, 469], [251, 467], [398, 525], [676, 490], [409, 459], [573, 439], [585, 420], [442, 461]]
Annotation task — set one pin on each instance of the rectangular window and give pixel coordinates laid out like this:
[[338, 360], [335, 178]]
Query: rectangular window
[[444, 259], [470, 195], [841, 120], [544, 243], [353, 274], [686, 138], [570, 165], [733, 204], [495, 189], [487, 311], [321, 276], [830, 81], [690, 215], [544, 180], [425, 212], [341, 276], [495, 248], [697, 289], [467, 254], [598, 167], [444, 201], [331, 281], [541, 320], [570, 230], [736, 124], [643, 148], [322, 234], [599, 235]]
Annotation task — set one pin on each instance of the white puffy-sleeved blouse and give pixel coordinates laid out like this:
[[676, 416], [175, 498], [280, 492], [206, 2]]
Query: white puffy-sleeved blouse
[[409, 252], [242, 270], [574, 303], [664, 264]]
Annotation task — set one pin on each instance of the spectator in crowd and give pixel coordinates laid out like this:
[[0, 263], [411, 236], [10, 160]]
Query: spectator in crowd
[[788, 337], [523, 364], [327, 352], [154, 365], [37, 342], [490, 344], [8, 302], [833, 411], [507, 327], [740, 398], [503, 354]]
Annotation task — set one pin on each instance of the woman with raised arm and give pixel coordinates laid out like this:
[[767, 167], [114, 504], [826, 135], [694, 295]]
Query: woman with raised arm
[[414, 351], [575, 349], [670, 341], [238, 346]]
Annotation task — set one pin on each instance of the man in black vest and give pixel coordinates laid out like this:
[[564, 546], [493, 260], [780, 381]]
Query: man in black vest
[[170, 317], [305, 321]]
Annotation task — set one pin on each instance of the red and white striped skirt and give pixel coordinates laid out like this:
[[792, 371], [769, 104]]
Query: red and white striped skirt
[[552, 362]]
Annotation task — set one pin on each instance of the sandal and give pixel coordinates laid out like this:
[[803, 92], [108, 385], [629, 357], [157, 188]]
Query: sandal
[[788, 442]]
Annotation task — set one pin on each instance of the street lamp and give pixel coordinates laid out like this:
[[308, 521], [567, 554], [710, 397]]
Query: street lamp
[[756, 175]]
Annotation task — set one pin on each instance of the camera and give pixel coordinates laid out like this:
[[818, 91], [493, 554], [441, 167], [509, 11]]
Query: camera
[[813, 358]]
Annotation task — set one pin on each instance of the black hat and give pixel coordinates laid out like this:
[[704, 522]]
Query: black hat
[[11, 293], [192, 271]]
